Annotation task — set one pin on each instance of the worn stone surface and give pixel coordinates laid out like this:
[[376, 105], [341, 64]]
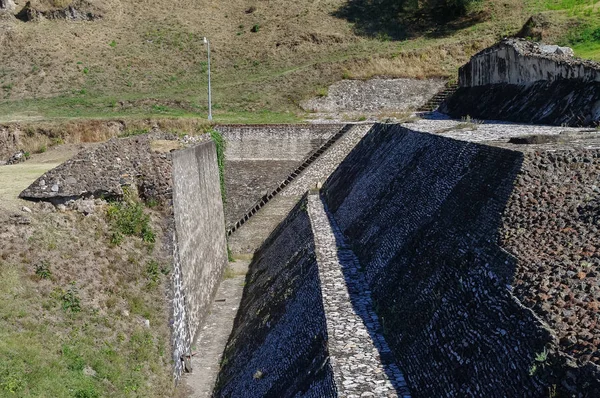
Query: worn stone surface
[[363, 364], [278, 347], [438, 277], [520, 81], [201, 246], [259, 158], [375, 95], [420, 212], [103, 170], [207, 351], [255, 231], [551, 225], [517, 61]]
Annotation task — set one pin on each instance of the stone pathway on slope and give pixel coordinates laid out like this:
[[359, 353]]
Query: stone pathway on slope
[[363, 364], [212, 339], [257, 229]]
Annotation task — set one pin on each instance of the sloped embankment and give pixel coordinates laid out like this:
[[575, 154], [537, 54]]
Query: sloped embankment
[[278, 346], [552, 224], [422, 214]]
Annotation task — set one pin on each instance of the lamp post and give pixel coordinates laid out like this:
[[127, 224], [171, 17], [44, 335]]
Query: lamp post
[[209, 93]]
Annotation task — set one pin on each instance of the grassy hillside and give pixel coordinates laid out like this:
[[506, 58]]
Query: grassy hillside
[[267, 55]]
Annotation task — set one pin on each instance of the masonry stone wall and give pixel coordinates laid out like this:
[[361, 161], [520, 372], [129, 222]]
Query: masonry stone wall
[[259, 158], [421, 213], [278, 347], [521, 81], [200, 249]]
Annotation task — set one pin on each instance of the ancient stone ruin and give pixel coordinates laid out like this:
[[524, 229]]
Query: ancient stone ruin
[[521, 81], [387, 260]]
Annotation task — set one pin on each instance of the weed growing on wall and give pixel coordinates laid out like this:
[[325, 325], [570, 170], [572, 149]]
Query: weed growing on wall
[[220, 144]]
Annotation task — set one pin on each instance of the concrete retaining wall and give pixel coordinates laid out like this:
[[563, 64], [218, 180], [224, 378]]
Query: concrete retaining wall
[[278, 347], [421, 213], [516, 80], [258, 158], [200, 249], [520, 62]]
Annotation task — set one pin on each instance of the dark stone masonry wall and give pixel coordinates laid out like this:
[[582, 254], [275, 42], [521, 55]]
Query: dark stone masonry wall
[[422, 212], [259, 158], [552, 224], [520, 81], [278, 347]]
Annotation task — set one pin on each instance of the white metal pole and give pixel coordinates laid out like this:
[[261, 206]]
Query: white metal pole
[[209, 93]]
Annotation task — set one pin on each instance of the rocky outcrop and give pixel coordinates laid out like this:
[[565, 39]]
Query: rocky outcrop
[[7, 5], [10, 142], [521, 81], [104, 170], [78, 10]]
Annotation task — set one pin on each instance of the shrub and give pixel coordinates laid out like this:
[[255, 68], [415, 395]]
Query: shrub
[[43, 270], [128, 219]]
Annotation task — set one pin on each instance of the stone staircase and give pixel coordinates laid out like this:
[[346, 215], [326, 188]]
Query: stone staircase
[[257, 224], [307, 162], [435, 101]]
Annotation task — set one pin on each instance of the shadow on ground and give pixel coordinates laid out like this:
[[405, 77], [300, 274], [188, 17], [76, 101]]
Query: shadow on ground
[[400, 20]]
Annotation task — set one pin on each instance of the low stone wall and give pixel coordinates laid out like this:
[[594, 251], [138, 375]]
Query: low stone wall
[[278, 347], [258, 158], [200, 250], [422, 213], [521, 81], [375, 95]]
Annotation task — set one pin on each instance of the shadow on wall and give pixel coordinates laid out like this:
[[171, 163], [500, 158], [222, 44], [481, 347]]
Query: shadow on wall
[[421, 213], [402, 19], [278, 347]]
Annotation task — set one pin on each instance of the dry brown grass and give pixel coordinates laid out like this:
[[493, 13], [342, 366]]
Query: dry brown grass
[[36, 137]]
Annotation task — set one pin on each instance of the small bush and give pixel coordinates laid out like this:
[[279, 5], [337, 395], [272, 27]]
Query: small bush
[[129, 219], [255, 28], [70, 299], [87, 392], [153, 273], [42, 270]]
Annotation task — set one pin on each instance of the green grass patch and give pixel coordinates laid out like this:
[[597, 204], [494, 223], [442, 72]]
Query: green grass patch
[[128, 218]]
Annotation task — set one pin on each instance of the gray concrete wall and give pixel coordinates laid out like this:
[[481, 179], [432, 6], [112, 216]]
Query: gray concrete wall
[[258, 158], [516, 81], [514, 61], [201, 251]]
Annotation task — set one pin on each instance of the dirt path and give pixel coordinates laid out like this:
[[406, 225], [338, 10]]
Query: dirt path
[[213, 337]]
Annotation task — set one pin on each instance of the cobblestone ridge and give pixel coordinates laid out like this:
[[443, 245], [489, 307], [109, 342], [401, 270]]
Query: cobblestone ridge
[[278, 347], [363, 364]]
